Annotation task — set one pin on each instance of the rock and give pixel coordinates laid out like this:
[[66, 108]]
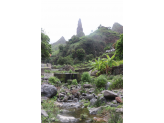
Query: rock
[[107, 85], [100, 95], [48, 75], [117, 28], [83, 94], [80, 32], [118, 99], [58, 104], [96, 119], [103, 100], [119, 110], [94, 110], [113, 105], [43, 98], [65, 98], [114, 101], [66, 118], [92, 102], [89, 97], [44, 113], [109, 94], [87, 86], [48, 90], [71, 105], [63, 111], [94, 73], [75, 100], [68, 67]]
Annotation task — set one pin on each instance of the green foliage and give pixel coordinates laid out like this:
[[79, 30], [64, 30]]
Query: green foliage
[[70, 71], [117, 82], [80, 54], [98, 64], [83, 116], [65, 60], [86, 77], [53, 80], [101, 81], [51, 110], [119, 48], [86, 104], [74, 82], [89, 57], [47, 71], [61, 47], [115, 118], [45, 46]]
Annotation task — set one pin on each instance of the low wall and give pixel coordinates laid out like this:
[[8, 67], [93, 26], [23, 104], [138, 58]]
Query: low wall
[[117, 70], [42, 70]]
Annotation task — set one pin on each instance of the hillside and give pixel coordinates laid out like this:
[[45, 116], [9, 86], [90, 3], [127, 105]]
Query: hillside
[[55, 45]]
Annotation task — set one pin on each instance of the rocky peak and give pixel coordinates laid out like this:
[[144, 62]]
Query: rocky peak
[[80, 32], [60, 41], [117, 28]]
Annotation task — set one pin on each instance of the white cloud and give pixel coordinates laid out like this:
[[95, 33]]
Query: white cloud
[[60, 17]]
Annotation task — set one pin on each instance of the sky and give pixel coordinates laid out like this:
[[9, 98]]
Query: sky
[[60, 17]]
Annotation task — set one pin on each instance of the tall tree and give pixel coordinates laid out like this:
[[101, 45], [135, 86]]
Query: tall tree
[[45, 46]]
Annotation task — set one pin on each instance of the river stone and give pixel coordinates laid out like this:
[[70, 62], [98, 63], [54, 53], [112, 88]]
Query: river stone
[[43, 98], [65, 98], [113, 105], [87, 86], [93, 101], [48, 90], [66, 118], [83, 94], [107, 85], [44, 113], [71, 105], [119, 110], [109, 94], [89, 97], [114, 101], [94, 73], [75, 100]]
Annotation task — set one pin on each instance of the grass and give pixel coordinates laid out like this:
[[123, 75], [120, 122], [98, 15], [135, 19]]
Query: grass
[[117, 82]]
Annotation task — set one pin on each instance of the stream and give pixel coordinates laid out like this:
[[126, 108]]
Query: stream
[[72, 114]]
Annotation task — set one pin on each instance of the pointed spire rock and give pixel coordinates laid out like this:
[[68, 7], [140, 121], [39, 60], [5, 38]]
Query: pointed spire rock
[[80, 32], [117, 28]]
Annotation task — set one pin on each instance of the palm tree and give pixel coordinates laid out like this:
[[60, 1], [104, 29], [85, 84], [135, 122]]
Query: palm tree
[[109, 63]]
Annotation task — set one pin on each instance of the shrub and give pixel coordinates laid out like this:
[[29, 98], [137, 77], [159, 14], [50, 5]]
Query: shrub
[[51, 110], [53, 80], [83, 116], [80, 54], [101, 81], [74, 82], [86, 77], [117, 82], [65, 60], [89, 57]]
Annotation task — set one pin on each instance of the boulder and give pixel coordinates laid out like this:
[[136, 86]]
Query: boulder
[[119, 110], [44, 113], [109, 94], [93, 73], [93, 101], [113, 105], [89, 97], [103, 100], [107, 85], [43, 98], [118, 99], [48, 90], [87, 86], [75, 100]]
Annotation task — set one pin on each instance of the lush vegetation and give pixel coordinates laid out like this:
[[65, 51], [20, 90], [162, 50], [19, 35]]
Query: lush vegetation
[[119, 48], [45, 46], [101, 81], [86, 77]]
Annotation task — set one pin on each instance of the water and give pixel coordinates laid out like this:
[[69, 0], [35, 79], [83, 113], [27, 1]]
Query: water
[[76, 113]]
